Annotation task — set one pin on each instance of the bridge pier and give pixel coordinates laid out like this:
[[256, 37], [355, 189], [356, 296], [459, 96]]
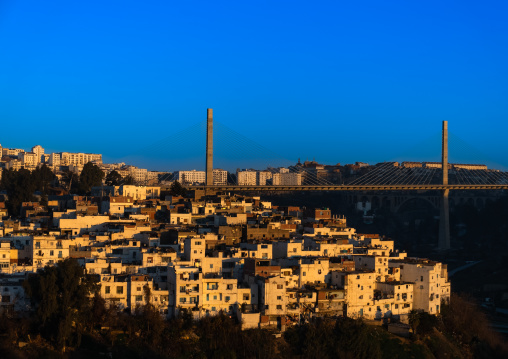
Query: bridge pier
[[444, 220]]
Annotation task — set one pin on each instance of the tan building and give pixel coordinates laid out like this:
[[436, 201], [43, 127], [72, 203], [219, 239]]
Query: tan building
[[78, 159], [431, 285], [49, 250], [29, 159], [39, 153], [140, 193], [246, 178], [287, 179], [190, 177], [220, 177], [115, 291], [263, 177]]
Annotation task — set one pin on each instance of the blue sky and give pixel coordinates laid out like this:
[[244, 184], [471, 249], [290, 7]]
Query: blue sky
[[332, 80]]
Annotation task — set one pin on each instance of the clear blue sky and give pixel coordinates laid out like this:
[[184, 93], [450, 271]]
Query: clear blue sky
[[332, 80]]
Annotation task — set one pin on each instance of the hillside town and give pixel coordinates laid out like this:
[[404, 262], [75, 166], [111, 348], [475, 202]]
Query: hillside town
[[207, 253]]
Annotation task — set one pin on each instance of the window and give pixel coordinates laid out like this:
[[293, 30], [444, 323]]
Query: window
[[279, 307], [211, 266], [245, 297], [227, 298], [304, 274], [107, 289], [279, 297], [139, 298], [138, 289], [183, 300], [279, 286], [119, 290]]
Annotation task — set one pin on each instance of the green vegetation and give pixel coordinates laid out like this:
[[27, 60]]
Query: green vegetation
[[70, 320], [177, 189], [113, 178], [91, 176], [60, 298], [21, 185]]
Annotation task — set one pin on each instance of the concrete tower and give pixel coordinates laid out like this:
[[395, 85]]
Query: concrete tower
[[444, 222], [209, 147]]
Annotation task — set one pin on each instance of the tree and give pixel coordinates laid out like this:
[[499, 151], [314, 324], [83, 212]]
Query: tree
[[70, 180], [61, 298], [414, 319], [91, 176], [113, 178], [43, 176], [20, 187], [177, 189], [128, 180]]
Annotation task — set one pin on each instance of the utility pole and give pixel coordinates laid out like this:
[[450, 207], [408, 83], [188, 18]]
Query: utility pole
[[444, 219]]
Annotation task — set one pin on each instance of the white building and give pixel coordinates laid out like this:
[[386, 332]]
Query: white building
[[78, 159], [263, 176], [39, 152], [140, 175], [220, 177], [54, 159], [287, 179], [246, 178], [28, 159], [190, 177]]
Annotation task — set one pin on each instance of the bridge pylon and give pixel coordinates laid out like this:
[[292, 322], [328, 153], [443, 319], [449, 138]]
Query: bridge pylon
[[444, 219], [209, 148]]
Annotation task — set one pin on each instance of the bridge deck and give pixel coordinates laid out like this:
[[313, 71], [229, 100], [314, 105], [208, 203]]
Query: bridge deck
[[428, 187]]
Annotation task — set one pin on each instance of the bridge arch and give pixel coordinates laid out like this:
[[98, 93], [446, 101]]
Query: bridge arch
[[417, 201], [479, 203]]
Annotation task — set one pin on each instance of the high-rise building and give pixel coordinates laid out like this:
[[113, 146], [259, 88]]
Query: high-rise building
[[220, 177], [263, 176], [39, 153], [190, 177], [246, 178], [287, 179]]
